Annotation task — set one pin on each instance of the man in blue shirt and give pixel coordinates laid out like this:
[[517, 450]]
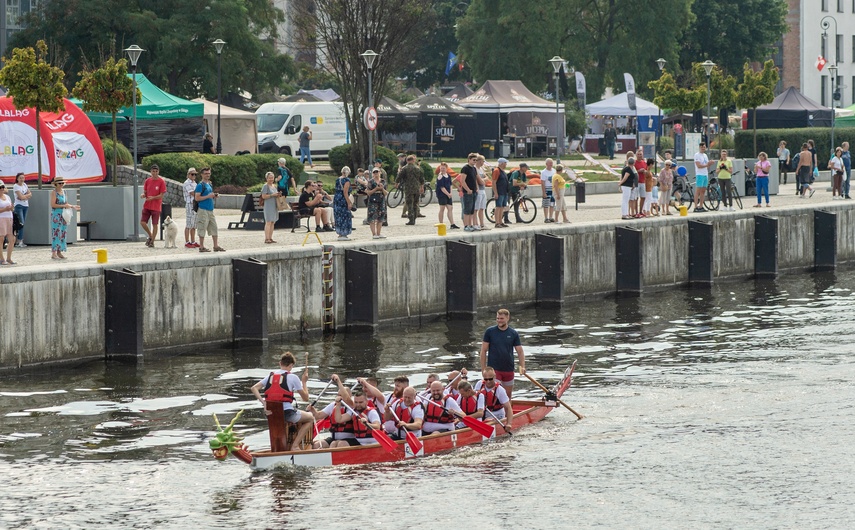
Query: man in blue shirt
[[206, 222], [847, 165], [497, 350]]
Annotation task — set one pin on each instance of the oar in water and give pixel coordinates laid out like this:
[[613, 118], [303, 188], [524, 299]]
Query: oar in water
[[478, 426], [412, 440], [499, 422], [381, 437], [538, 385]]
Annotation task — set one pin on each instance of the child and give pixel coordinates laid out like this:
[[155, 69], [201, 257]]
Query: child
[[649, 182]]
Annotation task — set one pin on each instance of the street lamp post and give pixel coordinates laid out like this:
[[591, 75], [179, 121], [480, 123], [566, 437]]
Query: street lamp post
[[825, 23], [370, 56], [557, 62], [833, 71], [708, 66], [134, 53], [218, 44], [660, 62]]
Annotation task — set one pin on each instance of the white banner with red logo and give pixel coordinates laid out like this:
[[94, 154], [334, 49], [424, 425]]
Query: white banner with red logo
[[70, 145]]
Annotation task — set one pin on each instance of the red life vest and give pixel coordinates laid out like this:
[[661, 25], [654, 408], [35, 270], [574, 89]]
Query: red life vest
[[339, 427], [469, 405], [404, 412], [491, 399], [436, 414], [359, 429], [277, 390]]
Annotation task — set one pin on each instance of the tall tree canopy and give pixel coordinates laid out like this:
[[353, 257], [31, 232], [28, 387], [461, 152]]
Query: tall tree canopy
[[177, 37], [507, 39], [344, 29], [427, 66], [733, 32]]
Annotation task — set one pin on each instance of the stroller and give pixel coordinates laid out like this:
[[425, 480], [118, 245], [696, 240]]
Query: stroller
[[682, 191], [750, 183]]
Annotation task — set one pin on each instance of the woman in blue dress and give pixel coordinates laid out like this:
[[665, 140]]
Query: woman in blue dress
[[58, 225], [342, 204]]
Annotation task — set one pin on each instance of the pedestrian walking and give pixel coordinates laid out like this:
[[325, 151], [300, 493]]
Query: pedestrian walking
[[305, 139]]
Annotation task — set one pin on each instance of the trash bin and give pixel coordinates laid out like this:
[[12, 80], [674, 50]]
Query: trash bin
[[580, 194], [505, 149], [488, 148]]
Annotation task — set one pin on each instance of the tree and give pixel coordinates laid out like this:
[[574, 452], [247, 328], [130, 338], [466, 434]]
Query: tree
[[427, 66], [508, 39], [732, 32], [34, 83], [668, 95], [343, 29], [722, 92], [177, 37], [757, 88], [107, 89]]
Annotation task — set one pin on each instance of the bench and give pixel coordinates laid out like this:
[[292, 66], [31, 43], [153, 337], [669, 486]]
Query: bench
[[88, 226], [251, 214], [297, 217], [589, 160]]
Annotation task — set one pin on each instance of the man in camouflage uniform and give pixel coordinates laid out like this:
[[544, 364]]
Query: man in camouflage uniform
[[412, 180]]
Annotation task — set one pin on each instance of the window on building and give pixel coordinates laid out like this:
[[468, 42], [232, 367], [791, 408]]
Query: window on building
[[853, 48], [838, 49], [13, 12], [840, 6], [825, 5], [822, 47], [823, 88], [853, 88]]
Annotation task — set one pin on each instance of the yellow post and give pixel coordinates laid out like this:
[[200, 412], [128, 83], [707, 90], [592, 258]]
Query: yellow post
[[100, 255], [440, 229], [684, 210]]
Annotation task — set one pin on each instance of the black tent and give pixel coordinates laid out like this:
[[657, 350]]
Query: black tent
[[457, 93], [389, 109], [790, 110], [440, 127], [396, 128]]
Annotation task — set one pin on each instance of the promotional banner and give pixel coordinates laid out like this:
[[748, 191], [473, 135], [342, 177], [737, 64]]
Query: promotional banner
[[70, 145], [630, 90], [580, 90]]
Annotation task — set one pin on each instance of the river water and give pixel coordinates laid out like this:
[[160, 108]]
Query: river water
[[722, 408]]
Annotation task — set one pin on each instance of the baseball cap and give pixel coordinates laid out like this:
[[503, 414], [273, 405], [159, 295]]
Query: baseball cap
[[502, 161], [379, 160]]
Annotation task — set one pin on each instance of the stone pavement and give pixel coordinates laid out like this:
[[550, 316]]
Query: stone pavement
[[599, 208]]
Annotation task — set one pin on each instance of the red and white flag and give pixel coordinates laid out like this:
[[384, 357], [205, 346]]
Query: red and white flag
[[820, 63]]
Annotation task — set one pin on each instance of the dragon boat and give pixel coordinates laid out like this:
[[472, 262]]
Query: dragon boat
[[525, 412]]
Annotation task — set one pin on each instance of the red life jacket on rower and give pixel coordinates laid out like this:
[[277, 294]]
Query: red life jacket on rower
[[491, 399], [277, 390], [339, 427], [469, 404], [404, 412], [359, 429], [436, 414]]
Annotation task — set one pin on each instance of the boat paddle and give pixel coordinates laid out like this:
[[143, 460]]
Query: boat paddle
[[538, 385], [478, 426], [499, 422], [412, 440], [381, 437], [319, 395]]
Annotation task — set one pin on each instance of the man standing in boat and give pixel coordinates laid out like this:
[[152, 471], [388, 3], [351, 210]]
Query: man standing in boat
[[497, 350], [279, 387]]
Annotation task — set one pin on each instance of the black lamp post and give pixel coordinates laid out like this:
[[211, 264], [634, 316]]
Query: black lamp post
[[218, 44], [557, 62], [660, 62], [370, 56], [134, 53], [708, 67]]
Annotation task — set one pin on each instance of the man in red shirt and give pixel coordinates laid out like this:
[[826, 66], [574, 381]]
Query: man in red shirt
[[153, 191]]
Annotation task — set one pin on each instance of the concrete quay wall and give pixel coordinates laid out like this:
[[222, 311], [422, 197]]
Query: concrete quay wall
[[56, 316]]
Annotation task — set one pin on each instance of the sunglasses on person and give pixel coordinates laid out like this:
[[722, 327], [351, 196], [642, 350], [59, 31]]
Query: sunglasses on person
[[489, 378]]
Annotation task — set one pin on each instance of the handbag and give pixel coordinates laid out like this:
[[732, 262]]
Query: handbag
[[282, 203], [67, 215], [17, 223], [260, 201]]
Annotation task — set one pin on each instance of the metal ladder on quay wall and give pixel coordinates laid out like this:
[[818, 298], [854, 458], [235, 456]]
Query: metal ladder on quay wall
[[328, 276]]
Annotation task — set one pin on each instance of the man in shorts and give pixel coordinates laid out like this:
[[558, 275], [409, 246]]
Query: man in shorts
[[497, 350], [470, 186], [281, 386], [189, 213], [206, 222], [702, 176], [548, 201], [154, 189]]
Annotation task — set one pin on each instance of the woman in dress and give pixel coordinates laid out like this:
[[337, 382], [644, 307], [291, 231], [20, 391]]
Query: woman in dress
[[342, 204], [22, 195], [376, 191], [58, 226], [269, 192], [837, 171], [6, 225]]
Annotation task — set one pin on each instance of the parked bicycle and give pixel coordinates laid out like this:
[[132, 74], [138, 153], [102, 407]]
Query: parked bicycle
[[396, 197], [524, 208], [715, 195]]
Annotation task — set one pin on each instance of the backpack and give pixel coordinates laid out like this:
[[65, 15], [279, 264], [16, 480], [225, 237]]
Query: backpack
[[794, 161]]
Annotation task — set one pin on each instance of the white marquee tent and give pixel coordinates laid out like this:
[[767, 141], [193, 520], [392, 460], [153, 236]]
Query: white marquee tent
[[618, 106], [238, 128]]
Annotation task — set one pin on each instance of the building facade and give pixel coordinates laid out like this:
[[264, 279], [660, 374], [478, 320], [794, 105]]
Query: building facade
[[10, 19], [820, 28]]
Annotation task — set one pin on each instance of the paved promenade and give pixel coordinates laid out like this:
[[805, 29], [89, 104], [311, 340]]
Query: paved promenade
[[599, 208]]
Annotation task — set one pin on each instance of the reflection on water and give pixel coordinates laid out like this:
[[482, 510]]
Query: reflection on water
[[699, 405]]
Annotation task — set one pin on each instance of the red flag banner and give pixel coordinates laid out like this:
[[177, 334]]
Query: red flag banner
[[820, 63]]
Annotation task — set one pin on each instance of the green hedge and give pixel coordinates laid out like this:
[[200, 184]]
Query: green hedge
[[125, 157], [768, 140], [341, 156], [243, 170]]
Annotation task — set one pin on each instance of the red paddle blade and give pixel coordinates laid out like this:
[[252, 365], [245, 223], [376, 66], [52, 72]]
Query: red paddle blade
[[384, 440], [481, 428], [414, 442]]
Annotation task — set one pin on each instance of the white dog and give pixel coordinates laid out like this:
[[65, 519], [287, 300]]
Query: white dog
[[171, 232]]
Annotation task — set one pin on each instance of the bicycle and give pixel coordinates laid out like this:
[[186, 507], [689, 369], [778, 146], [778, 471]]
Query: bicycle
[[396, 197], [683, 191], [524, 208], [734, 193]]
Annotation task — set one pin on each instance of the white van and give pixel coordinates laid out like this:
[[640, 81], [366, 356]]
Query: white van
[[279, 126]]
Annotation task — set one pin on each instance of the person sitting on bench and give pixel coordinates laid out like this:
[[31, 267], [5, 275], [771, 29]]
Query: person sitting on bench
[[312, 202]]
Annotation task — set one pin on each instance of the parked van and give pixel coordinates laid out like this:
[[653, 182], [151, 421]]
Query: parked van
[[279, 126]]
